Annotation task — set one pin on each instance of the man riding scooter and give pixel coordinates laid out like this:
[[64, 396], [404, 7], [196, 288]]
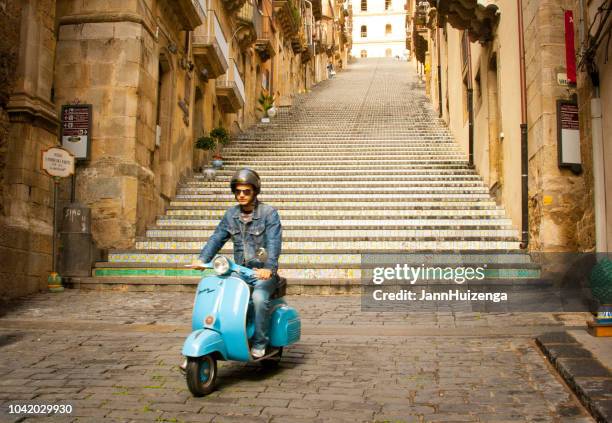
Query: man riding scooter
[[255, 230]]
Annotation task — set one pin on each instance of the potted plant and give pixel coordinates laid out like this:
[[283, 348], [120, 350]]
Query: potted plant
[[266, 103], [221, 138], [205, 143]]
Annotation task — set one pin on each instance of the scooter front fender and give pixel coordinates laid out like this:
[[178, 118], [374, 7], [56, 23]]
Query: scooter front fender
[[202, 342]]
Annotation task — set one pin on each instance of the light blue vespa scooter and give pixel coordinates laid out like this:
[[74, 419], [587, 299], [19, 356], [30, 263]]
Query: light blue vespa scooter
[[222, 325]]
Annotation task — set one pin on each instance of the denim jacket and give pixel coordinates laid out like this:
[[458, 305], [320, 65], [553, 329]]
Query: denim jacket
[[264, 231]]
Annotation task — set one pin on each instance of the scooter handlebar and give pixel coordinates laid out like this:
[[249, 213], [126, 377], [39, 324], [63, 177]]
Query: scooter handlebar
[[232, 267]]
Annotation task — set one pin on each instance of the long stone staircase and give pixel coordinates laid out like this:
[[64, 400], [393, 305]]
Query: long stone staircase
[[360, 165]]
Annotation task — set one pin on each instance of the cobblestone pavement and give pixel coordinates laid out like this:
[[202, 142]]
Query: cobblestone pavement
[[113, 356]]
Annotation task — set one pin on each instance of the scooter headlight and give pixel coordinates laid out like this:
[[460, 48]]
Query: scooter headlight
[[221, 265]]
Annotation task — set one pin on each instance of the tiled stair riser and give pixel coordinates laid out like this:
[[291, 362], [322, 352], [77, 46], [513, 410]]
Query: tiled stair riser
[[326, 233], [304, 273], [287, 214], [291, 224], [392, 246], [396, 190], [321, 259]]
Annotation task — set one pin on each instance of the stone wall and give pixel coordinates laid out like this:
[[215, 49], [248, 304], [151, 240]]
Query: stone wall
[[558, 199], [114, 60], [27, 126]]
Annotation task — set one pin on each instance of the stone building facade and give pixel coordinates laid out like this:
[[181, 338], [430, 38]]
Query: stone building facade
[[28, 125], [594, 85], [379, 28], [477, 80], [159, 74]]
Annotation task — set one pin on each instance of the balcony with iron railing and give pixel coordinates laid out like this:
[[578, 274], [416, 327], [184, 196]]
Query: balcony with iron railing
[[288, 15], [210, 48], [230, 90], [232, 5], [200, 7], [263, 44], [249, 20], [186, 13]]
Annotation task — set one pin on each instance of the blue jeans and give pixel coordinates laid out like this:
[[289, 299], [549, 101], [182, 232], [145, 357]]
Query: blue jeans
[[262, 290]]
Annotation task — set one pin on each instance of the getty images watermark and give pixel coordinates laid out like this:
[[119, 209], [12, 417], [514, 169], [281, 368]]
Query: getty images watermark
[[503, 281], [411, 275]]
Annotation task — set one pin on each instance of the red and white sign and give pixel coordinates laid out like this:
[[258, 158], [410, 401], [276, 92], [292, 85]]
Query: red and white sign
[[570, 51], [76, 129]]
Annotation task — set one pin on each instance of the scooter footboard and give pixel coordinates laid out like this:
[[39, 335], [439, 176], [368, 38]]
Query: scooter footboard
[[202, 342], [285, 326]]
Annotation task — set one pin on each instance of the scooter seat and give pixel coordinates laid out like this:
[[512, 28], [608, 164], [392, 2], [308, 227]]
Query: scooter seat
[[281, 289]]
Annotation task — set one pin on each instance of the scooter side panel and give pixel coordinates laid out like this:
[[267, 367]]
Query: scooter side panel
[[206, 299], [204, 341], [285, 326], [231, 317]]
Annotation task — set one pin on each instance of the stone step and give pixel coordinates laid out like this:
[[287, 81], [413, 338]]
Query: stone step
[[222, 181], [362, 175], [299, 273], [459, 163], [335, 198], [306, 286], [171, 221], [354, 158], [326, 258], [338, 191], [289, 213], [374, 243], [374, 152], [352, 233], [339, 204]]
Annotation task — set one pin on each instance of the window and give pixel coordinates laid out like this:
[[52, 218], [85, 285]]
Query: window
[[364, 5], [364, 53], [387, 4], [364, 31], [388, 29]]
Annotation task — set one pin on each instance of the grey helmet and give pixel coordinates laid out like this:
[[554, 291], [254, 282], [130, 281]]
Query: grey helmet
[[246, 176]]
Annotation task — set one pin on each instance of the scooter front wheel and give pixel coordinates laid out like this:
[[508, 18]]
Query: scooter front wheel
[[201, 375]]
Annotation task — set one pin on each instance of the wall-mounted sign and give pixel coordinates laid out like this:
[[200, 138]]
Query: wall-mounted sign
[[562, 79], [57, 162], [568, 135], [76, 129]]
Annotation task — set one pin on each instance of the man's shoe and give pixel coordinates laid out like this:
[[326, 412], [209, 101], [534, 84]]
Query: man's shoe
[[258, 352]]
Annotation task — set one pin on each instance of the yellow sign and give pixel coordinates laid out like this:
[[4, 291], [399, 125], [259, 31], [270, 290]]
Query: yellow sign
[[547, 200]]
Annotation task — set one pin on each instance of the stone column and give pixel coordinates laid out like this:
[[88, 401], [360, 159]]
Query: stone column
[[28, 125]]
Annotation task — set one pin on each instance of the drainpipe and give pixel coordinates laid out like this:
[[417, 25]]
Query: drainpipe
[[524, 139], [439, 75], [599, 188], [439, 62], [470, 104]]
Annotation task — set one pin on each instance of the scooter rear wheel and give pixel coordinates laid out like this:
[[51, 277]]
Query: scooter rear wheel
[[201, 375]]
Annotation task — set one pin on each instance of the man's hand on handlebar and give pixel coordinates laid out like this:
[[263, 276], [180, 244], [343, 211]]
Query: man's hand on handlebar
[[263, 274], [197, 265]]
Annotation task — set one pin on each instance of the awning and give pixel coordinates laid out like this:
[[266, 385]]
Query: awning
[[478, 17]]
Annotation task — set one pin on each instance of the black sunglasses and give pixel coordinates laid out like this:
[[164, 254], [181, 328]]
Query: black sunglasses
[[246, 192]]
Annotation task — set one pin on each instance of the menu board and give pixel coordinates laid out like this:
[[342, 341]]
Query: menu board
[[568, 134]]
